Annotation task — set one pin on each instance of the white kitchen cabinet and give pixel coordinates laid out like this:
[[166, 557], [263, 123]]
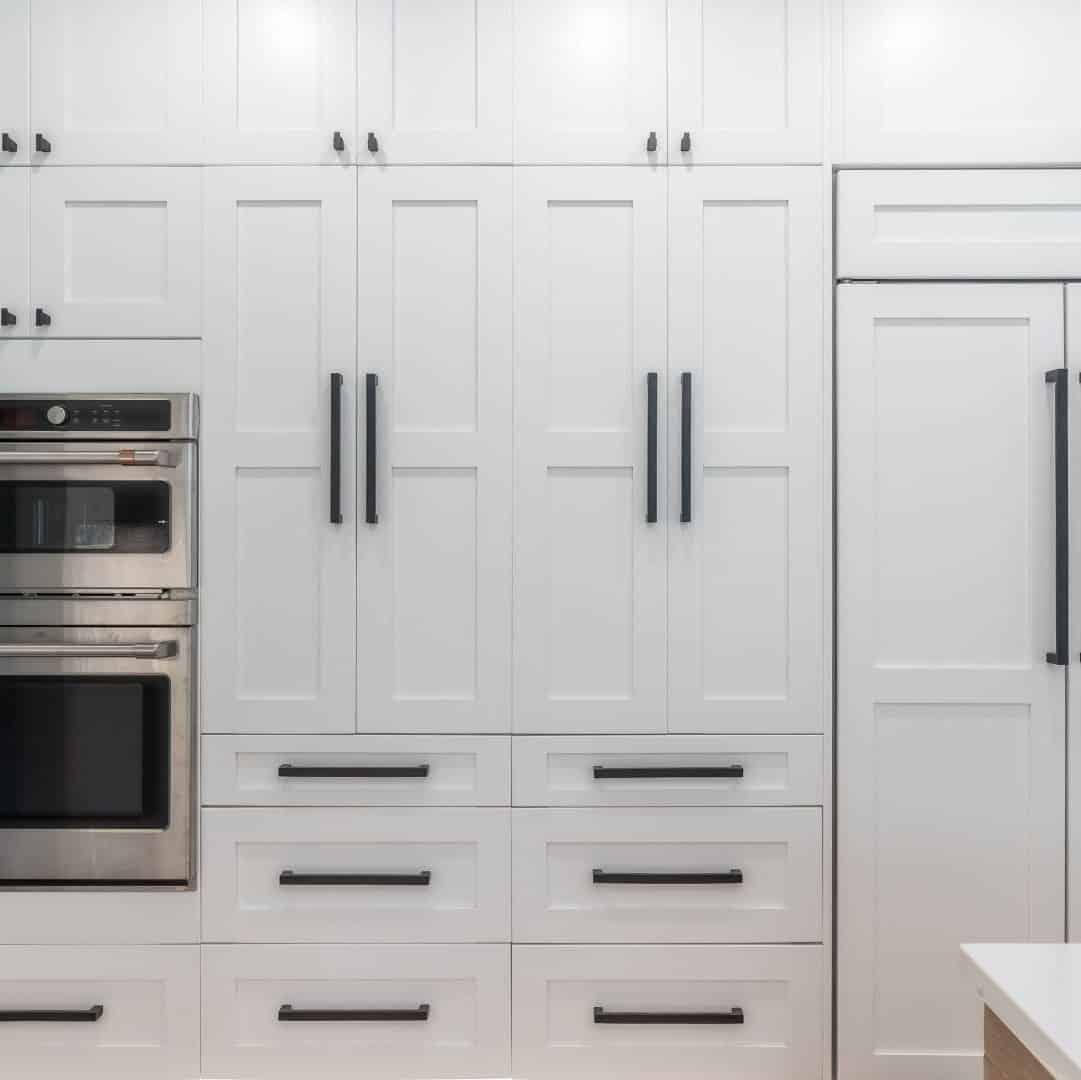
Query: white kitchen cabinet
[[278, 579], [1073, 715], [16, 318], [115, 82], [951, 722], [280, 81], [590, 571], [746, 597], [434, 81], [745, 81], [14, 82], [434, 548], [589, 82]]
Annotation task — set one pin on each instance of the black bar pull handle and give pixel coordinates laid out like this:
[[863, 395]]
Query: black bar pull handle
[[685, 448], [371, 384], [358, 772], [291, 877], [1059, 377], [287, 1013], [651, 448], [41, 144], [8, 144], [7, 317], [42, 317], [53, 1016], [338, 141], [669, 772], [373, 143], [336, 382], [651, 143], [601, 1016], [721, 877]]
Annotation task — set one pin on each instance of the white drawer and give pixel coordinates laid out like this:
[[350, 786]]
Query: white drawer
[[145, 1000], [465, 854], [779, 990], [569, 867], [964, 223], [464, 1032], [355, 770], [668, 770]]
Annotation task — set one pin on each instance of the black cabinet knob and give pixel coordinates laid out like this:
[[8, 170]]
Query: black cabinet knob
[[373, 143], [8, 144], [7, 318], [42, 317], [339, 142], [41, 144], [685, 142], [651, 143]]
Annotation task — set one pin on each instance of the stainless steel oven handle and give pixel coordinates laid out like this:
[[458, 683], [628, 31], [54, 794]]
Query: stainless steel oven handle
[[150, 650], [163, 458]]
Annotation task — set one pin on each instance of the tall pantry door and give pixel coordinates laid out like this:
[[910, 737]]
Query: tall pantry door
[[951, 721], [1073, 827]]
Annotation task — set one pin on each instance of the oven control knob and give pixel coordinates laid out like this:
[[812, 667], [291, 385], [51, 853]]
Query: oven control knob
[[56, 415]]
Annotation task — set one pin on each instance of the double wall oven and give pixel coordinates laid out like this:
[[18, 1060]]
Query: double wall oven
[[98, 581]]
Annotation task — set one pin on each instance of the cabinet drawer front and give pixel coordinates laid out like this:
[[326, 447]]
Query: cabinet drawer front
[[725, 875], [368, 770], [669, 770], [778, 990], [959, 224], [99, 1011], [464, 1033], [297, 875]]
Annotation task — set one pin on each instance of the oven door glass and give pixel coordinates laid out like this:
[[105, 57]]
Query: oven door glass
[[81, 752]]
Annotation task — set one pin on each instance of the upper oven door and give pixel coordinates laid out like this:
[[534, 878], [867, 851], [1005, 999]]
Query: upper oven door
[[97, 516]]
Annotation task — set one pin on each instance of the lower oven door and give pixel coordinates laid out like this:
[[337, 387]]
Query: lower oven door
[[96, 743]]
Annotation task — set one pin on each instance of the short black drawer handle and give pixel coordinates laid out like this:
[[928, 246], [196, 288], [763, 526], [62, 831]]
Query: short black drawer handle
[[373, 143], [53, 1016], [42, 317], [674, 772], [291, 877], [722, 877], [360, 772], [287, 1013], [41, 144], [732, 1016], [8, 144], [7, 317], [338, 142]]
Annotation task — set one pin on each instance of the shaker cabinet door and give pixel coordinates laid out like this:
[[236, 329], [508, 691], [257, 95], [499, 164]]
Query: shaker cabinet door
[[278, 579], [14, 82], [15, 318], [433, 546]]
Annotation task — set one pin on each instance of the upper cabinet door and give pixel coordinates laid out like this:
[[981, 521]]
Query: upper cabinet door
[[958, 82], [278, 570], [745, 81], [434, 81], [746, 566], [589, 81], [14, 82], [280, 81], [115, 82], [434, 549], [590, 569], [15, 318]]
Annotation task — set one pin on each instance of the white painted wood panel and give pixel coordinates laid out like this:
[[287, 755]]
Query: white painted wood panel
[[1073, 716], [589, 571], [15, 80], [434, 573], [462, 770], [589, 82], [149, 1024], [434, 81], [951, 723], [746, 594], [279, 617], [777, 850], [15, 251], [467, 989], [466, 853], [745, 81], [116, 251], [779, 989], [116, 82]]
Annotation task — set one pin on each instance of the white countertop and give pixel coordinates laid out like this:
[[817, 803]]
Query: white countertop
[[1036, 991]]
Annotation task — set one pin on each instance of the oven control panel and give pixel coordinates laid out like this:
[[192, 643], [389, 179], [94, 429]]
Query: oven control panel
[[91, 416]]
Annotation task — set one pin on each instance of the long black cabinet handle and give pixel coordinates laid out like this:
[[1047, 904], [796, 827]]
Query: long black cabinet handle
[[287, 1013], [361, 772], [1059, 377], [685, 448], [601, 1016], [651, 448], [723, 877], [336, 382], [669, 772], [290, 877], [53, 1016], [371, 513]]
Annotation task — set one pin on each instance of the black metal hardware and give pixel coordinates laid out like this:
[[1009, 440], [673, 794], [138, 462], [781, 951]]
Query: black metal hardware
[[685, 449], [674, 772], [685, 142], [53, 1016], [288, 1013], [41, 144], [651, 143], [290, 877], [42, 317], [733, 1016], [368, 772], [1061, 656], [7, 318], [651, 448], [373, 143], [336, 381], [339, 142], [8, 144], [723, 877], [371, 514]]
